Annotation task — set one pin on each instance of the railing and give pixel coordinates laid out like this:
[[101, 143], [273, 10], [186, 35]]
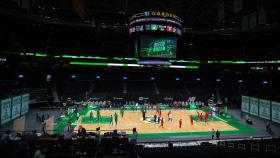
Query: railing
[[50, 131], [194, 142]]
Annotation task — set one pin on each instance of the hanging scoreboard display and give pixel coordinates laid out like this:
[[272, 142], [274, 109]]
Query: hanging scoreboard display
[[254, 106], [275, 112], [5, 111], [24, 104], [158, 46], [16, 107], [245, 103], [153, 21], [155, 34], [264, 109]]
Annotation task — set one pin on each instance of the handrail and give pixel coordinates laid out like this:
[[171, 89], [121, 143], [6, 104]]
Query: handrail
[[203, 140], [27, 131]]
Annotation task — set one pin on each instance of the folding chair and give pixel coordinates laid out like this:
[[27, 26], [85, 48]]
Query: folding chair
[[255, 147], [270, 148], [241, 147], [231, 145]]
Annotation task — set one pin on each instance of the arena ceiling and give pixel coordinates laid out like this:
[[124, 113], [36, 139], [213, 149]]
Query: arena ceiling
[[197, 13], [104, 27], [202, 15]]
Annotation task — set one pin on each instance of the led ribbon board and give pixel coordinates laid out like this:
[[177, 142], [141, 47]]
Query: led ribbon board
[[155, 21], [155, 14], [153, 62]]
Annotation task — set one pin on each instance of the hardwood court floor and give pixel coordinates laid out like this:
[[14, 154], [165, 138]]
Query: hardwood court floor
[[133, 119]]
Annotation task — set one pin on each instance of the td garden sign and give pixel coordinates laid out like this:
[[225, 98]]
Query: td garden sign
[[156, 14]]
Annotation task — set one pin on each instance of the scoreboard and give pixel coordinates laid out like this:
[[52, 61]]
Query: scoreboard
[[152, 21], [158, 46], [155, 34]]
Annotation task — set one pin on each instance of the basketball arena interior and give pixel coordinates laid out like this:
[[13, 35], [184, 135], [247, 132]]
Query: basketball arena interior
[[139, 79]]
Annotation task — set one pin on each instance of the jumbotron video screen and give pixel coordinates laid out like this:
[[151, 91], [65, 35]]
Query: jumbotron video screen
[[158, 46]]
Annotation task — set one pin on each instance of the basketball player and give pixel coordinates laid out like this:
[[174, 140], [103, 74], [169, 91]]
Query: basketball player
[[200, 117], [169, 114], [122, 111], [191, 118], [98, 115], [111, 120], [180, 123], [90, 115], [213, 133], [144, 115], [161, 122], [159, 112], [116, 118], [206, 117]]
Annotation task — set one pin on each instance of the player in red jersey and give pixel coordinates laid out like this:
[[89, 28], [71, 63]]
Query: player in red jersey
[[200, 117], [161, 122], [206, 117], [191, 118], [180, 123]]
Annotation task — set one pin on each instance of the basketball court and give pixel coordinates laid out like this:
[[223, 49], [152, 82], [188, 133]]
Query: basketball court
[[133, 119]]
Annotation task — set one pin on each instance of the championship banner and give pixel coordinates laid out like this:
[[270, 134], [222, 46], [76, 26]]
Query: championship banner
[[245, 103], [24, 103], [16, 107], [264, 109], [275, 112], [5, 111], [254, 106]]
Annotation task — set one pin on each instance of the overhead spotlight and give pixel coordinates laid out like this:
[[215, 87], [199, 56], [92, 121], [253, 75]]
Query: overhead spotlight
[[73, 76], [198, 79], [98, 77], [20, 76], [264, 82], [49, 78], [124, 78], [218, 80], [152, 78], [240, 81], [177, 79]]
